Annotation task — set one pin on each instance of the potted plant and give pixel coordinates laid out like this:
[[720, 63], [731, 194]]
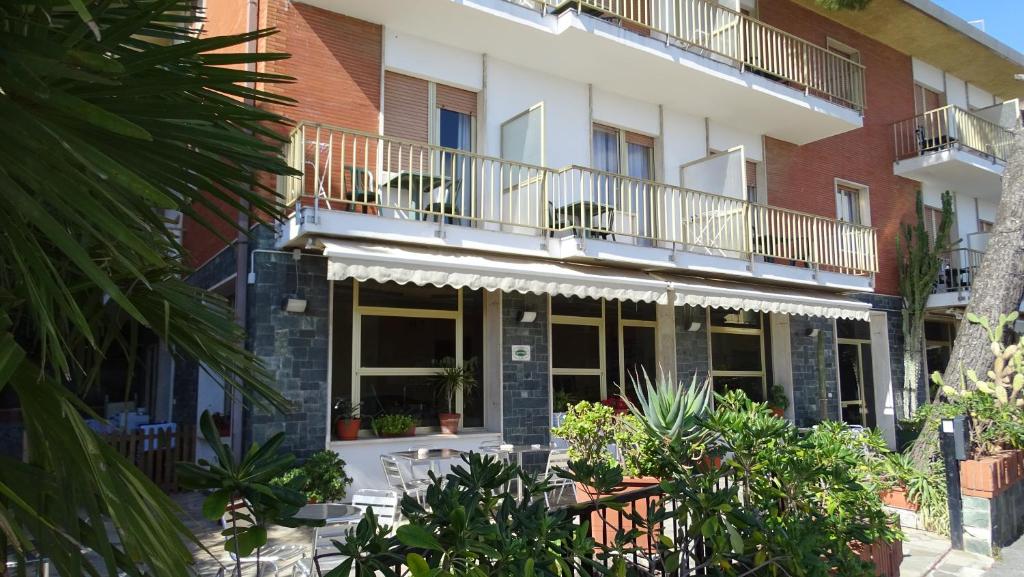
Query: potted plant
[[451, 379], [346, 419], [324, 478], [394, 425], [778, 400]]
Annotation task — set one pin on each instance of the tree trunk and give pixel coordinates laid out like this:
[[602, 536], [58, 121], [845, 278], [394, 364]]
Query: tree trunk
[[912, 363], [996, 289]]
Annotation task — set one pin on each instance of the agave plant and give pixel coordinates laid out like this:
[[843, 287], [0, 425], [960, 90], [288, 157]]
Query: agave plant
[[672, 410]]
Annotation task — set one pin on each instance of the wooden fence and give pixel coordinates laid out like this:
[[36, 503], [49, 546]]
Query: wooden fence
[[156, 453]]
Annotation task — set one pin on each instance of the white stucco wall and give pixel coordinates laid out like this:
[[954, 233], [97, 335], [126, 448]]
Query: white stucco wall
[[511, 90], [978, 97], [416, 56], [928, 75], [683, 142], [624, 112], [723, 137], [956, 91]]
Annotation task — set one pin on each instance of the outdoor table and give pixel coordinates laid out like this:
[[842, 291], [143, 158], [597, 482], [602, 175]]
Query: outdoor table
[[518, 451], [323, 514], [427, 185], [575, 212], [430, 456]]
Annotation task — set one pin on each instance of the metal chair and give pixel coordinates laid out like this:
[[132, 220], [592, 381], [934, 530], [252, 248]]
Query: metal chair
[[558, 458], [398, 480], [324, 555], [270, 555]]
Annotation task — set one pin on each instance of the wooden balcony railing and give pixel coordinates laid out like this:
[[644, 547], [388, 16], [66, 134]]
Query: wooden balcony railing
[[950, 127], [743, 41], [394, 178]]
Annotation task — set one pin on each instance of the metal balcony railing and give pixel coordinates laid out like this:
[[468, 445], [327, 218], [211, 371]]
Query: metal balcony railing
[[743, 41], [394, 178], [959, 267], [947, 128]]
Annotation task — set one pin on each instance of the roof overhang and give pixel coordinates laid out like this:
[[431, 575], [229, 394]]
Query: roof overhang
[[925, 30]]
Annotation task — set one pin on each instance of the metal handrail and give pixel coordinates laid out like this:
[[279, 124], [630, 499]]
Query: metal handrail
[[362, 171], [745, 40], [948, 127]]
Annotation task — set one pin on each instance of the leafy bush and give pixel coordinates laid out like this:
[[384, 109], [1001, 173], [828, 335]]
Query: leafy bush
[[589, 428], [995, 405], [323, 475], [392, 424]]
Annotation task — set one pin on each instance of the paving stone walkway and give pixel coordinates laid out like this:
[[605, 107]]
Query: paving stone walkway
[[1010, 561]]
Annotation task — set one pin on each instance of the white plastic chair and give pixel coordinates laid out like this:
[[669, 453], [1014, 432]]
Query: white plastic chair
[[558, 458], [399, 481], [270, 555]]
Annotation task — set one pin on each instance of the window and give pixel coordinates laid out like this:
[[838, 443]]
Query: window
[[932, 222], [845, 50], [388, 340], [848, 204], [751, 177], [737, 342], [577, 350], [985, 225], [629, 154], [926, 99]]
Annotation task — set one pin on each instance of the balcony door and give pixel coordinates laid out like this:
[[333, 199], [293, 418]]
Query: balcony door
[[856, 377], [631, 199]]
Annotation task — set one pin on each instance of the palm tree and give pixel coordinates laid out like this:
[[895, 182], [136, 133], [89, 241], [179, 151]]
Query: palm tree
[[114, 113]]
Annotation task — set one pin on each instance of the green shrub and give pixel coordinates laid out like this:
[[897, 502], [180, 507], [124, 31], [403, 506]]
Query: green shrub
[[324, 474], [589, 428], [392, 424]]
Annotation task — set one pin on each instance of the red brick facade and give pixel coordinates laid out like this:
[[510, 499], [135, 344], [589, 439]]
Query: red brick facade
[[336, 61], [803, 177]]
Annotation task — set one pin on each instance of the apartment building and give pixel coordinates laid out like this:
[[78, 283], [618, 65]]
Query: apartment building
[[566, 193]]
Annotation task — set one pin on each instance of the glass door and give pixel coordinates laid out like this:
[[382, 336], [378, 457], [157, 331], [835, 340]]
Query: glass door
[[856, 386], [577, 351]]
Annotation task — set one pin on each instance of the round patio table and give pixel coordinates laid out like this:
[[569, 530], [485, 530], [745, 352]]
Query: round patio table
[[323, 514]]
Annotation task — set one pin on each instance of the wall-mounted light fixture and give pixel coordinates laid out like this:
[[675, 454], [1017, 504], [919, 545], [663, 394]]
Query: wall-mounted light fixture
[[693, 327], [293, 304], [813, 332], [527, 316]]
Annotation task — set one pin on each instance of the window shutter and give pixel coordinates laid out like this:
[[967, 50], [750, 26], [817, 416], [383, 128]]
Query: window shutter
[[456, 99], [405, 107]]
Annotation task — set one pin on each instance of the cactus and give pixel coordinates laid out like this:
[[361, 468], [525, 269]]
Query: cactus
[[670, 409]]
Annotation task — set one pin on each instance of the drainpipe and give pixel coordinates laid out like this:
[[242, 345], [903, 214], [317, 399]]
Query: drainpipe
[[242, 250]]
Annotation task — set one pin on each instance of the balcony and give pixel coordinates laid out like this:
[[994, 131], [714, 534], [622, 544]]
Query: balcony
[[953, 148], [366, 185], [694, 56], [740, 40], [956, 275]]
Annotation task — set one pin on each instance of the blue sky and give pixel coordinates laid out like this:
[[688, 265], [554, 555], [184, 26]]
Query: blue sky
[[1004, 19]]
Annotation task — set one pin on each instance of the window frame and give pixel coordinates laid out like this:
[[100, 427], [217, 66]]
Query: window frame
[[863, 200], [842, 49], [601, 371], [358, 370], [634, 323], [715, 329]]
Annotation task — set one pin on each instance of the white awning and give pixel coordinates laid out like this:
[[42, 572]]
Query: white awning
[[442, 267], [766, 299], [445, 267]]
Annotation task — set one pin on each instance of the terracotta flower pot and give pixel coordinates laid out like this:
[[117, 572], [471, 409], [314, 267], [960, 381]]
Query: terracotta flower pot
[[989, 476], [347, 429], [603, 528], [885, 556], [449, 422], [897, 498], [780, 413]]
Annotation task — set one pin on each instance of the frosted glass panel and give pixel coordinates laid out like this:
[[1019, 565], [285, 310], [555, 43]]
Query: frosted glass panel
[[522, 137]]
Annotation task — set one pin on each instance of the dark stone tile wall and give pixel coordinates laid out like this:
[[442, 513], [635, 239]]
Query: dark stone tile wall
[[805, 369], [893, 307], [293, 346], [526, 384], [691, 347]]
